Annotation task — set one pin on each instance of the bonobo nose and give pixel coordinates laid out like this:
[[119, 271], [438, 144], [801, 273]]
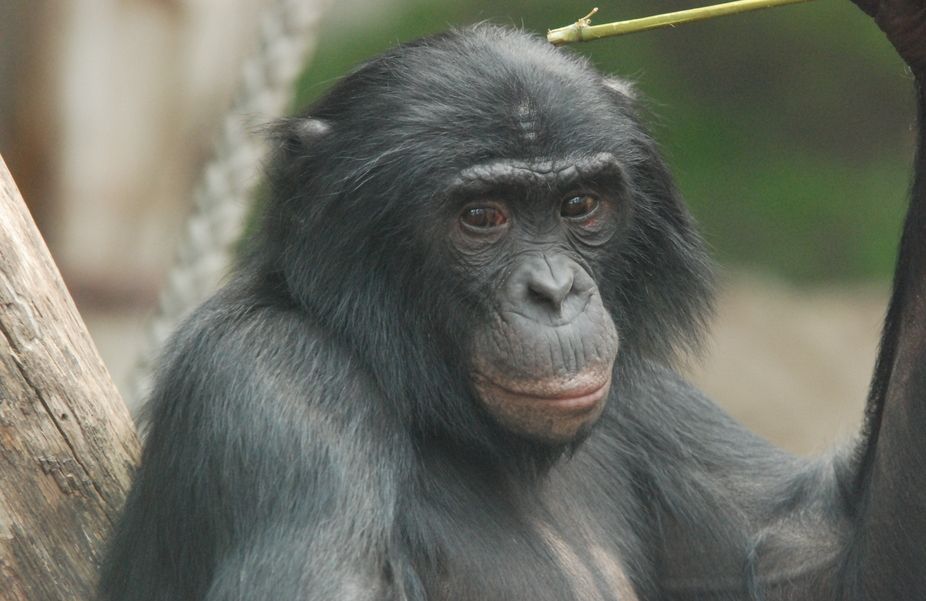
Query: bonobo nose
[[542, 286], [550, 285]]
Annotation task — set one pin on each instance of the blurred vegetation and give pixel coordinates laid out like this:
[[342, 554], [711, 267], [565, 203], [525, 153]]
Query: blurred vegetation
[[788, 130]]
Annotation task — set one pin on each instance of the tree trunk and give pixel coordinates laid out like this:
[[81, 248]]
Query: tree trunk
[[67, 444]]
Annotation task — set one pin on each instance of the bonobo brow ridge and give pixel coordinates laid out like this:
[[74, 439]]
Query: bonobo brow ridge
[[501, 172]]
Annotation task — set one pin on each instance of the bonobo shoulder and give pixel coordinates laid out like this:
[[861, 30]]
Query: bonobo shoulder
[[263, 438], [255, 378], [241, 349]]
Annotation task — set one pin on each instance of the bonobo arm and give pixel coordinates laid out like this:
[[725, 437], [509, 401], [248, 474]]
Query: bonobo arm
[[888, 555], [268, 471], [739, 520]]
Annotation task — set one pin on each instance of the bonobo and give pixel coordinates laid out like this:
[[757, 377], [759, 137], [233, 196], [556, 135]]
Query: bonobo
[[444, 370]]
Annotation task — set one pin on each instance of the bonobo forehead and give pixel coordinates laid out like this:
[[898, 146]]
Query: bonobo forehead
[[481, 93], [540, 172]]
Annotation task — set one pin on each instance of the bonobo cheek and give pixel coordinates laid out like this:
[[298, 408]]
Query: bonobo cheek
[[546, 382]]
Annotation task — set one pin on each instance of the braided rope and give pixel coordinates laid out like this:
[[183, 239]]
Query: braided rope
[[221, 197]]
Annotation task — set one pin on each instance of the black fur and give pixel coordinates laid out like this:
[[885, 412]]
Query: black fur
[[314, 434]]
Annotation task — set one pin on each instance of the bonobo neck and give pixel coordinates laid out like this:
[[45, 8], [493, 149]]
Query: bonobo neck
[[513, 463]]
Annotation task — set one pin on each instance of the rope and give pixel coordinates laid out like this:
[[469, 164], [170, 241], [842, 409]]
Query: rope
[[287, 35]]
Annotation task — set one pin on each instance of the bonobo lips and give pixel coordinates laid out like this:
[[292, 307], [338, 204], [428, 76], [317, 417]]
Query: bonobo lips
[[579, 394]]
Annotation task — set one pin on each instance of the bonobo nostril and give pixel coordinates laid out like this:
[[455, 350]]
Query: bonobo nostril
[[550, 284], [541, 286]]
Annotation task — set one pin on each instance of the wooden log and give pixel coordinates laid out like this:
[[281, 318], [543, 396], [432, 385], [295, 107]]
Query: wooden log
[[67, 444]]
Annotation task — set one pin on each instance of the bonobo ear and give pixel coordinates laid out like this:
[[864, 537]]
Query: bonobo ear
[[621, 87], [297, 132], [311, 128]]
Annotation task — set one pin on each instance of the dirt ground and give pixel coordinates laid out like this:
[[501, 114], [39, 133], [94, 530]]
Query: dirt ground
[[791, 363]]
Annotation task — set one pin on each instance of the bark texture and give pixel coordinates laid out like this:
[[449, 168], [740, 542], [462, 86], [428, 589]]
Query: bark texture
[[67, 444]]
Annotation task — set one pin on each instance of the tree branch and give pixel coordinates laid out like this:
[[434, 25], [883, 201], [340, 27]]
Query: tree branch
[[67, 444], [583, 31]]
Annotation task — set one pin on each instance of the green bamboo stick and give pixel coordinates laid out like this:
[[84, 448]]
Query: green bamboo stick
[[583, 31]]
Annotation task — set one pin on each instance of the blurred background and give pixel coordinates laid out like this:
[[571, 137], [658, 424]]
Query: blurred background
[[789, 132]]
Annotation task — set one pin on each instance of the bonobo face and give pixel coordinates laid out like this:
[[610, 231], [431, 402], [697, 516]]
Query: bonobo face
[[532, 233]]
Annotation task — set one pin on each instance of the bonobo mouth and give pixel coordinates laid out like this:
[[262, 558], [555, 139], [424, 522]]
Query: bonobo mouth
[[552, 410], [549, 384], [579, 395]]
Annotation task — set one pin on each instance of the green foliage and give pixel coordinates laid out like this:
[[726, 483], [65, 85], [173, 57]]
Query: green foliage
[[788, 130]]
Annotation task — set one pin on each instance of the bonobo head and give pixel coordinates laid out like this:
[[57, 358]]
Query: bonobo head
[[479, 220]]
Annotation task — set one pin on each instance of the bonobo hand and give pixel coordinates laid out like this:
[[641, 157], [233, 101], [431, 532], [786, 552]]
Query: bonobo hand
[[904, 22]]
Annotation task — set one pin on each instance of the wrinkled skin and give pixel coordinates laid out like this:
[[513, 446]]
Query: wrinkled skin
[[545, 371], [542, 361]]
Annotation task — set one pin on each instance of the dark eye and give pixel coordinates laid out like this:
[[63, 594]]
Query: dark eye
[[483, 218], [579, 206]]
